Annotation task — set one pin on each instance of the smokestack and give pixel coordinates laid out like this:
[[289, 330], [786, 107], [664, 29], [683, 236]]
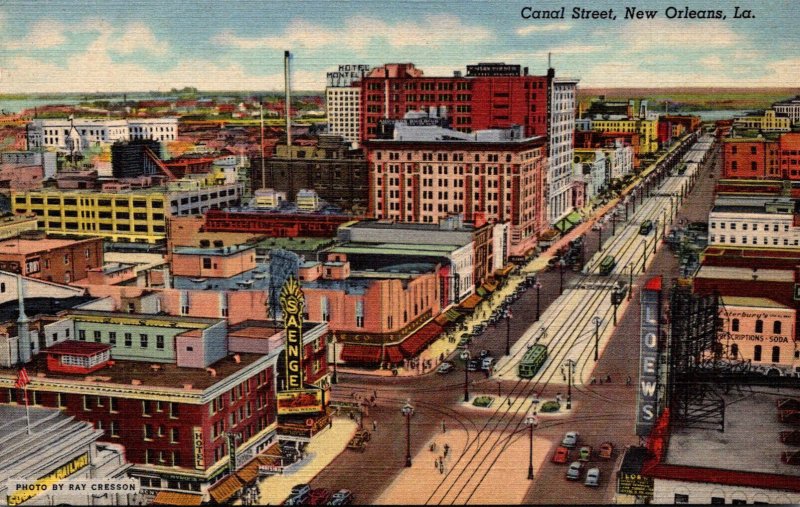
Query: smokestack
[[23, 329], [287, 84]]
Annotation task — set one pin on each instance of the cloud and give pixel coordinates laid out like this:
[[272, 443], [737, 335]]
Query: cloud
[[361, 31], [672, 35], [550, 27], [139, 37], [43, 34]]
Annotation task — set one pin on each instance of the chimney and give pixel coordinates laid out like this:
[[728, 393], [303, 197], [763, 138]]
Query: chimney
[[287, 84], [23, 325], [237, 358]]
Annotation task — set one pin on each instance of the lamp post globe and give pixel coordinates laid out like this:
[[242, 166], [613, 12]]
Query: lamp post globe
[[408, 411], [532, 422]]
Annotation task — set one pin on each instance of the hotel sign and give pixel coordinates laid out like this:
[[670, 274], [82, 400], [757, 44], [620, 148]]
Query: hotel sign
[[197, 444], [646, 412], [347, 75], [46, 481], [292, 303]]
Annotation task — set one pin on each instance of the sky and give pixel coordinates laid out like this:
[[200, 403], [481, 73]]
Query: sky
[[144, 45]]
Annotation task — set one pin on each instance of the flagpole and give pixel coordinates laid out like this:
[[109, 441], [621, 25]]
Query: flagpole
[[27, 409]]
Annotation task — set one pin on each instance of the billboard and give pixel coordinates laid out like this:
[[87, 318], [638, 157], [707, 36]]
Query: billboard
[[308, 401], [292, 303], [634, 484], [646, 412]]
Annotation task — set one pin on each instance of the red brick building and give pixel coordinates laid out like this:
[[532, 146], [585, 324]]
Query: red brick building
[[54, 260], [489, 96], [750, 158], [789, 156], [277, 225], [595, 139]]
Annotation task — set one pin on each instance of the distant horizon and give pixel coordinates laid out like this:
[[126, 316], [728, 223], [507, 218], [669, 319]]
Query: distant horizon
[[109, 46]]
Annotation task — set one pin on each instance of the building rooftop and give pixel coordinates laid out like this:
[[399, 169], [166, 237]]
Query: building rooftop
[[746, 274], [750, 442], [114, 267], [217, 251], [77, 348], [30, 246], [165, 375], [395, 249], [750, 302], [9, 311], [383, 224]]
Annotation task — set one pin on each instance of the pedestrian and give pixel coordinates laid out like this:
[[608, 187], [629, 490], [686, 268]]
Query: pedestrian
[[444, 429], [509, 402], [374, 394], [441, 357], [374, 425], [441, 467], [608, 379], [446, 449], [436, 463], [628, 381]]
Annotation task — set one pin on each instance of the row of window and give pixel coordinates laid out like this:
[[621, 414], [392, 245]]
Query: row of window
[[732, 226], [754, 240], [759, 326], [144, 339]]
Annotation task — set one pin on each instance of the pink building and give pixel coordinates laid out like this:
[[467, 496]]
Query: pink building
[[498, 175], [21, 177], [761, 331]]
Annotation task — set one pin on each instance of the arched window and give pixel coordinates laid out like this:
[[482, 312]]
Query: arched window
[[734, 350], [776, 327], [757, 353], [776, 354], [735, 325], [759, 326]]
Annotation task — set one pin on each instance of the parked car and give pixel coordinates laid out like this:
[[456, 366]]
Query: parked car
[[473, 365], [487, 363], [585, 454], [570, 439], [445, 367], [319, 496], [342, 497], [561, 455], [464, 341], [299, 494], [592, 477], [483, 353], [606, 450], [364, 435], [574, 470]]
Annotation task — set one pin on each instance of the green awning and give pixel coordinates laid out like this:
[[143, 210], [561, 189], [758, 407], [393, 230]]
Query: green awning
[[563, 225], [574, 218], [481, 292]]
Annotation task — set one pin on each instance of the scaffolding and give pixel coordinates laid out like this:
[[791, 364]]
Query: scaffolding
[[697, 371]]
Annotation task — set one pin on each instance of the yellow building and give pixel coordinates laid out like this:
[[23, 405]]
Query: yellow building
[[132, 217], [137, 216], [13, 226], [647, 130], [769, 122]]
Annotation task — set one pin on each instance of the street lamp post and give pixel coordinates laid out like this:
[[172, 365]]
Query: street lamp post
[[599, 237], [334, 377], [561, 276], [408, 411], [508, 332], [630, 280], [664, 223], [466, 356], [626, 207], [615, 300], [644, 255], [532, 421], [570, 371], [596, 321], [538, 287], [614, 222]]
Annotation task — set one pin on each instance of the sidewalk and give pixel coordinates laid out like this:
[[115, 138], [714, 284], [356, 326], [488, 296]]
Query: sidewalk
[[322, 450]]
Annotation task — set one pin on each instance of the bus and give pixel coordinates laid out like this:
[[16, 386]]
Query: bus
[[646, 227], [607, 265], [532, 361]]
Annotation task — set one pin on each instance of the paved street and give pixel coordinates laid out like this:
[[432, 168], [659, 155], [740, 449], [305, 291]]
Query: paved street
[[496, 435]]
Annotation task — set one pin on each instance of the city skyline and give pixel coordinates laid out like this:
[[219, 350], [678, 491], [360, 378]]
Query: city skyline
[[115, 47]]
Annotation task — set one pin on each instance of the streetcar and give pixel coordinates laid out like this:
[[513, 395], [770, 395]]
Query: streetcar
[[532, 361], [607, 265]]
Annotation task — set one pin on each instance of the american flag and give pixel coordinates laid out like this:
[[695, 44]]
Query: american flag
[[22, 379]]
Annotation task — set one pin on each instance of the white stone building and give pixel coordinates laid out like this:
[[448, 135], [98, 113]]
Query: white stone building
[[344, 118], [560, 147], [754, 222], [81, 133]]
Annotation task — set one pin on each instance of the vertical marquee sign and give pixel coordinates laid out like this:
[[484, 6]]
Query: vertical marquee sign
[[292, 303], [647, 400]]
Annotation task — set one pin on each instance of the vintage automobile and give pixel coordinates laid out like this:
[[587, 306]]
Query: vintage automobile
[[561, 455], [606, 450]]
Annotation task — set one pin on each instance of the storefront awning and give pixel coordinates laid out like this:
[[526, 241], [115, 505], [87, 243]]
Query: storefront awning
[[249, 473], [173, 498], [394, 354], [489, 287], [568, 222], [451, 315], [225, 489], [353, 353], [504, 271], [471, 302], [482, 292], [417, 341]]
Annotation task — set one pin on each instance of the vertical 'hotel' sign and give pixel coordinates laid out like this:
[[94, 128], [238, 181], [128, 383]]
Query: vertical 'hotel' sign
[[292, 303]]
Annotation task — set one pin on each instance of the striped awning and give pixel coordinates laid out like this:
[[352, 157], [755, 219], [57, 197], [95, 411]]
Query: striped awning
[[354, 353], [249, 473], [173, 498], [417, 341], [394, 354], [225, 489], [471, 302]]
